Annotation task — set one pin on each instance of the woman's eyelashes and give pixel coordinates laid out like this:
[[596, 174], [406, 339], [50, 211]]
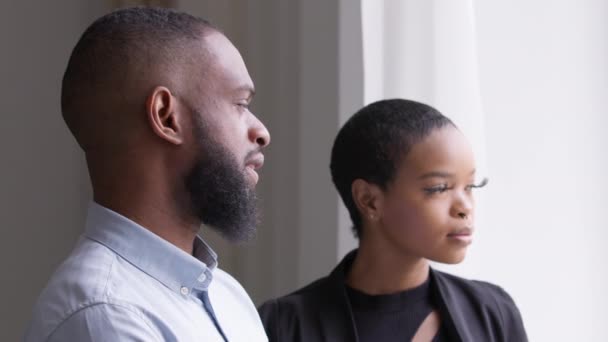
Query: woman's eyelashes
[[479, 185], [444, 187], [437, 189]]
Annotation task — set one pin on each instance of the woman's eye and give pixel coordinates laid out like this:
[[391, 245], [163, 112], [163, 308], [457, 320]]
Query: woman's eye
[[438, 189], [481, 184]]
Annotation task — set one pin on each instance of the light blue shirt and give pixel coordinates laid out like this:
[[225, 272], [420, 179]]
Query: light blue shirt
[[124, 283]]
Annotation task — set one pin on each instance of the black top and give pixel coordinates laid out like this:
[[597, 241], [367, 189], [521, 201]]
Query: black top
[[391, 317], [469, 310]]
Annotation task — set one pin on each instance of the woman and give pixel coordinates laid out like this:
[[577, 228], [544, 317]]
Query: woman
[[406, 175]]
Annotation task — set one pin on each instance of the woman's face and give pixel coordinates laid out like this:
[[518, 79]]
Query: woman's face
[[428, 208]]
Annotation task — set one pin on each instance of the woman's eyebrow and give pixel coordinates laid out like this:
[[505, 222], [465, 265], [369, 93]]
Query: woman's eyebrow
[[440, 174], [436, 174]]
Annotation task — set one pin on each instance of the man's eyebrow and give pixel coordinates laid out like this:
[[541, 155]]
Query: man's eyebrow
[[246, 88]]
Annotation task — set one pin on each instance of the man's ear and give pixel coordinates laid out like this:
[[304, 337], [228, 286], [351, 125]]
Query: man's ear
[[368, 198], [165, 116]]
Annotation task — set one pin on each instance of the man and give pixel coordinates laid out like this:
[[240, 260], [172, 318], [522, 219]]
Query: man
[[158, 100]]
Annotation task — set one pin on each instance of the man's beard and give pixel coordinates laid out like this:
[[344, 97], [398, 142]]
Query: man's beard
[[220, 195]]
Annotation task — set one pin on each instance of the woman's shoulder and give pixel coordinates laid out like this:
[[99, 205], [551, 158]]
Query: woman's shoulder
[[307, 296], [494, 307], [482, 292], [297, 316]]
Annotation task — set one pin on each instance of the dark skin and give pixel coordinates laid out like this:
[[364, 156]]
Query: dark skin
[[137, 163], [426, 213]]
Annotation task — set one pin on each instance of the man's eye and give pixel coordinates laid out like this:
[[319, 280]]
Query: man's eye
[[438, 189]]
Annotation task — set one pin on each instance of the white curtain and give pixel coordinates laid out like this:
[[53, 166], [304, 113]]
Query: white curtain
[[425, 50], [542, 231]]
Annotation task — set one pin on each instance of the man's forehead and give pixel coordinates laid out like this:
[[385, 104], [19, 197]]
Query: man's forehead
[[224, 63]]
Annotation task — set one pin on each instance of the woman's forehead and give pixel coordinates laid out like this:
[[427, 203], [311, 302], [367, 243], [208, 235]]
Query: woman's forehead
[[444, 152]]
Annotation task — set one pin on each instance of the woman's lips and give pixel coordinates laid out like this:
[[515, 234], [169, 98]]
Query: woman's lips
[[464, 235]]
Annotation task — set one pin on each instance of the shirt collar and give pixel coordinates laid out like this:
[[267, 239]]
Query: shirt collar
[[176, 269]]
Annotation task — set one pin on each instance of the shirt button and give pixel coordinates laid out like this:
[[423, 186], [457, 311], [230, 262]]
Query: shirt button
[[184, 290], [202, 278]]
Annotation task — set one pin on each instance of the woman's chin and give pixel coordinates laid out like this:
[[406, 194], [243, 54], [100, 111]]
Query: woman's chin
[[450, 259]]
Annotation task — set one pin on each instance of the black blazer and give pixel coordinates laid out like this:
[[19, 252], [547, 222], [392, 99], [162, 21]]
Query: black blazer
[[470, 310]]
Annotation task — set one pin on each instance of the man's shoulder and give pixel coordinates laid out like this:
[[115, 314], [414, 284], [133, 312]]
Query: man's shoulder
[[83, 279], [83, 275]]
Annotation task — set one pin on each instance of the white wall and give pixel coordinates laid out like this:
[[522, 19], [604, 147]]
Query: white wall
[[544, 83], [43, 181]]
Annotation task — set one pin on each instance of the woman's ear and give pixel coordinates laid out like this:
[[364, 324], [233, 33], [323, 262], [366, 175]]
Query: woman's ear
[[368, 198], [164, 116]]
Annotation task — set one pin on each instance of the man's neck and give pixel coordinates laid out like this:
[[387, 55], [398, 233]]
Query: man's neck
[[162, 220], [141, 192]]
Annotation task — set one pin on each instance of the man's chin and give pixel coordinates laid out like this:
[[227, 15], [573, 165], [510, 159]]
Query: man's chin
[[236, 236]]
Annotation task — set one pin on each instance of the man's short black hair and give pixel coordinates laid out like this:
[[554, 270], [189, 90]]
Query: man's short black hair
[[374, 141], [123, 45]]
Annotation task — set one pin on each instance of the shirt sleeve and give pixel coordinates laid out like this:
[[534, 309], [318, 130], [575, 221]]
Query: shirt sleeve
[[105, 322]]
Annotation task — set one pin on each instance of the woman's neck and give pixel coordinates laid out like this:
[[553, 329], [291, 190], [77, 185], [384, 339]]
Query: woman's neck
[[384, 270]]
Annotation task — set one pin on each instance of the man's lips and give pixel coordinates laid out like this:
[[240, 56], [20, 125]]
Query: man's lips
[[255, 162]]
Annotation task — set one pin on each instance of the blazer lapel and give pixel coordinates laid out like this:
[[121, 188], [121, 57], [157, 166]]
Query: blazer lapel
[[335, 317], [450, 308]]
